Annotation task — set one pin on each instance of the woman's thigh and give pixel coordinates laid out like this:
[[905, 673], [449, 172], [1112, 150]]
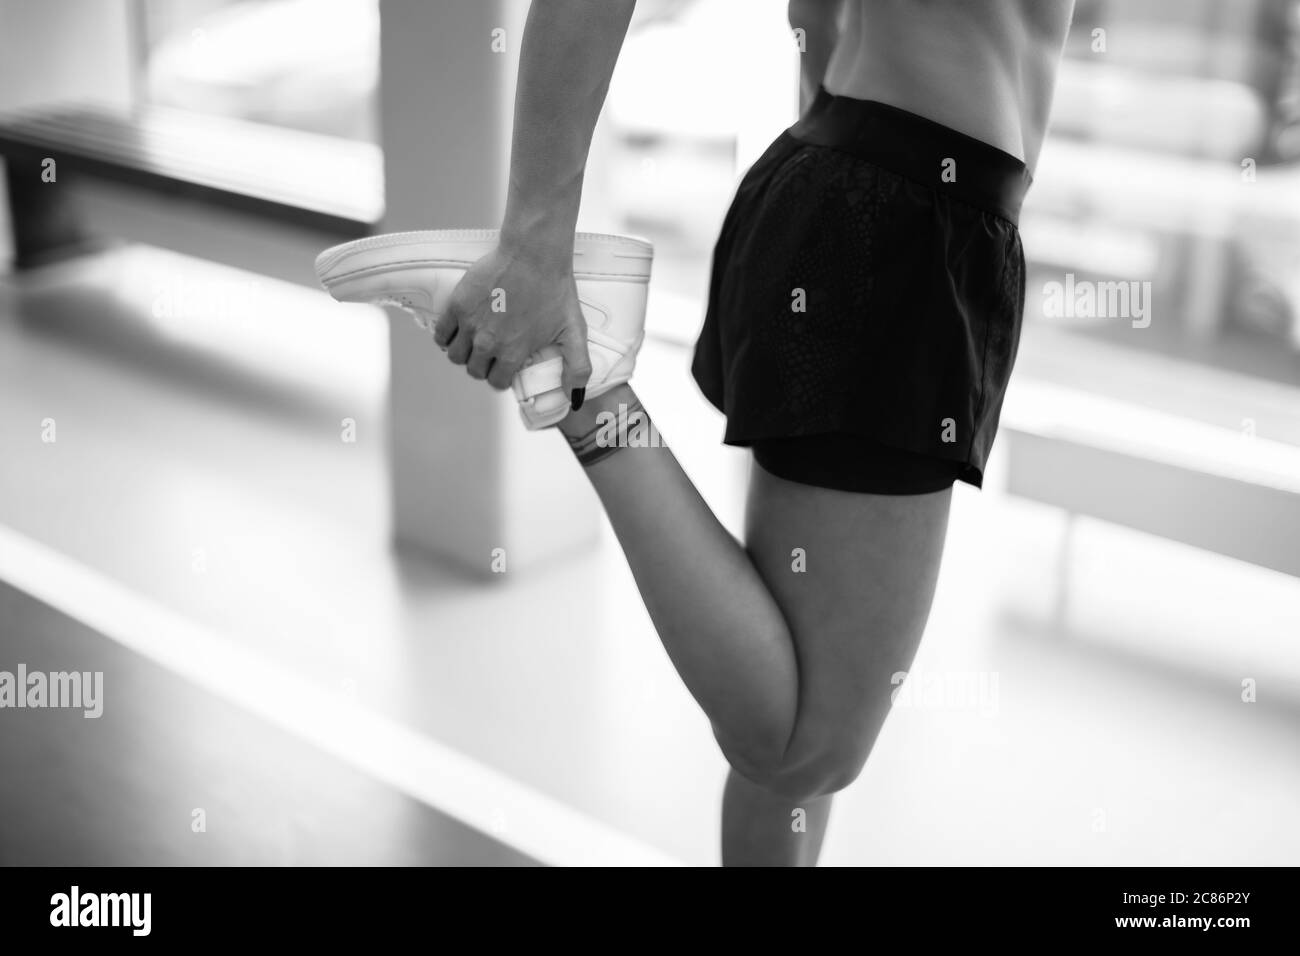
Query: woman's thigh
[[854, 575]]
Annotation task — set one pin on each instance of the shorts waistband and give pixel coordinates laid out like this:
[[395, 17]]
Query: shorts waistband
[[913, 146]]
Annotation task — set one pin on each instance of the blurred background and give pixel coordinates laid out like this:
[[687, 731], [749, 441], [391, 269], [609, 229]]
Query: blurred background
[[245, 506]]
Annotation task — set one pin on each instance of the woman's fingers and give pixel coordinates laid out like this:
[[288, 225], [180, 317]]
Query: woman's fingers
[[493, 344], [481, 354], [577, 361], [502, 372], [460, 346], [444, 330]]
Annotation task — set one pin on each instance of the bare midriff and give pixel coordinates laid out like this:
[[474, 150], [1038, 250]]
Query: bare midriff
[[985, 68]]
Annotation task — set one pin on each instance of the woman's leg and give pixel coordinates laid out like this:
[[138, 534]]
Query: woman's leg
[[856, 612], [789, 643], [762, 828], [716, 617]]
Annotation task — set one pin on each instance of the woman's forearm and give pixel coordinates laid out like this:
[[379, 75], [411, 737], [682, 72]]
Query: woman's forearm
[[566, 60]]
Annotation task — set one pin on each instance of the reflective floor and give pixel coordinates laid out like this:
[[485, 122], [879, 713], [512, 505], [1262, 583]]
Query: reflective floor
[[1099, 724], [169, 775]]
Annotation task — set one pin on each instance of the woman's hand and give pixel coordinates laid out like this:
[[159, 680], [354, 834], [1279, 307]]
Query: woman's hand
[[509, 305], [522, 297]]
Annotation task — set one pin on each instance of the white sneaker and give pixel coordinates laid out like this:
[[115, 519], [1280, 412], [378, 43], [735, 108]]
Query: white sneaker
[[416, 272]]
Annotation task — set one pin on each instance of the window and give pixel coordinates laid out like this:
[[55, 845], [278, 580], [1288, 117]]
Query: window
[[305, 64]]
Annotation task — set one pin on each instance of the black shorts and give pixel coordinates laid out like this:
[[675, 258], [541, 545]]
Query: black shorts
[[866, 297]]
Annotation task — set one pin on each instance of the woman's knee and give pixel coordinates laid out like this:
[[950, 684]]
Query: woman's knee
[[820, 778], [804, 777]]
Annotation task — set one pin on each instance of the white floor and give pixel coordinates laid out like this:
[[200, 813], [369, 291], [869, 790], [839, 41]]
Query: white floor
[[1113, 731]]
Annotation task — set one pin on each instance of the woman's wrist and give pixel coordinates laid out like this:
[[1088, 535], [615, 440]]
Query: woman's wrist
[[540, 231], [544, 248]]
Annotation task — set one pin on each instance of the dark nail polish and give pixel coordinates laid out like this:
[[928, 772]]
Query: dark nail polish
[[577, 397]]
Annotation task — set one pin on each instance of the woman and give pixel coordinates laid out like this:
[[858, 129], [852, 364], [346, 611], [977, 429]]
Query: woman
[[862, 323]]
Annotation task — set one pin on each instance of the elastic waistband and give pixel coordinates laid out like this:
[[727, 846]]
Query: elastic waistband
[[918, 148]]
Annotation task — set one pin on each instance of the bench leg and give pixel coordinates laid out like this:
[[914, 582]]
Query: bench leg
[[44, 220], [66, 52]]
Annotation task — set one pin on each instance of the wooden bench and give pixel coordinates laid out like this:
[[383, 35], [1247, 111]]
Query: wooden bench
[[247, 194]]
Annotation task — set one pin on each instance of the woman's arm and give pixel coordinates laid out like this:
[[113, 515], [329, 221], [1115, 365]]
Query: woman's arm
[[819, 21], [567, 57], [566, 61]]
